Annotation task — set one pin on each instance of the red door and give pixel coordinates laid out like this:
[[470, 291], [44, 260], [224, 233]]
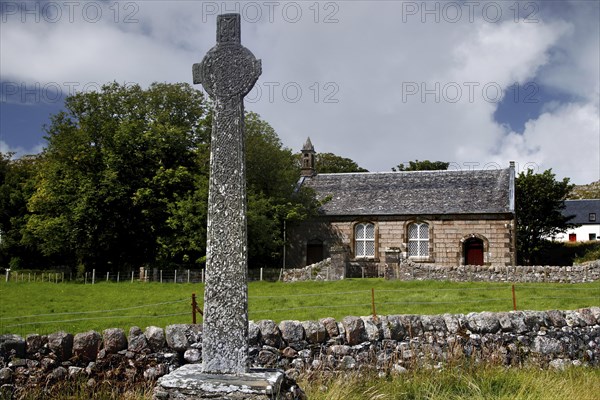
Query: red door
[[474, 252]]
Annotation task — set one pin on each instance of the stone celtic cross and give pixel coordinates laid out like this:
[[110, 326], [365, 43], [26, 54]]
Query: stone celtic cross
[[227, 73]]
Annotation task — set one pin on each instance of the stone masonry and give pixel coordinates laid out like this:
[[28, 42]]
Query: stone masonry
[[387, 344]]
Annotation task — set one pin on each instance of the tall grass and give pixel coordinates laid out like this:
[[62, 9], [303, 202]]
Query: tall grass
[[48, 307], [458, 383]]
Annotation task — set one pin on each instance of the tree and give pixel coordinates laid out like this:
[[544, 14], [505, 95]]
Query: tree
[[272, 176], [119, 165], [17, 184], [123, 182], [425, 165], [539, 204], [329, 163]]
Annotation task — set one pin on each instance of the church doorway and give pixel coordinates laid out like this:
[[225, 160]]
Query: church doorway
[[473, 251], [314, 252]]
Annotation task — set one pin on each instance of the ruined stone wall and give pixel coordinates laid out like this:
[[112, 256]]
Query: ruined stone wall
[[388, 344]]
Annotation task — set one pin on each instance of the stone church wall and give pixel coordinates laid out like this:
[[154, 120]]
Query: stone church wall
[[446, 237]]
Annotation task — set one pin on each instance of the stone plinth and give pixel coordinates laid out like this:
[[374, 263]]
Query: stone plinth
[[189, 382]]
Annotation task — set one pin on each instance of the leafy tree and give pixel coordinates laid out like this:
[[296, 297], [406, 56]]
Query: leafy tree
[[116, 162], [539, 204], [16, 187], [272, 175], [123, 181], [424, 165], [329, 163]]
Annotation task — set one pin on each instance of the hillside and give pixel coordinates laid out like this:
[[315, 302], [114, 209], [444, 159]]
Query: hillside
[[589, 191]]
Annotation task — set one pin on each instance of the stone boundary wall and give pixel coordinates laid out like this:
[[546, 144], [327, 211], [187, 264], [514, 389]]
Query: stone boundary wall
[[386, 344], [408, 271]]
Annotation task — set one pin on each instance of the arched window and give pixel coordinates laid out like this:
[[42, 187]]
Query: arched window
[[364, 240], [418, 239]]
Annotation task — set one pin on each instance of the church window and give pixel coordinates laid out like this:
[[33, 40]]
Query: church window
[[418, 240], [364, 239]]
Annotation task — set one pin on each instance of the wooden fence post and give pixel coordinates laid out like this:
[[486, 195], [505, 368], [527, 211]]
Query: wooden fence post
[[195, 308], [194, 305]]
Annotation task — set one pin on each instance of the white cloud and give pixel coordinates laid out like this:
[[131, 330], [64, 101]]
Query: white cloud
[[20, 151], [354, 74], [566, 140]]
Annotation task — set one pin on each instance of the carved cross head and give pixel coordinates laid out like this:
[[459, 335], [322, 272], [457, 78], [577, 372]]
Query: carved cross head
[[228, 70]]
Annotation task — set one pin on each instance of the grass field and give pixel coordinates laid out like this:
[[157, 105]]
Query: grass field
[[48, 307], [475, 382], [456, 382]]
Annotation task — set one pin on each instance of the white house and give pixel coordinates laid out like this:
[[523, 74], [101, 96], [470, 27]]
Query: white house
[[587, 215]]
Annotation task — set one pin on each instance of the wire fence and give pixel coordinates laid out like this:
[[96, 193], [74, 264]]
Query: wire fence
[[297, 306], [143, 275], [381, 298]]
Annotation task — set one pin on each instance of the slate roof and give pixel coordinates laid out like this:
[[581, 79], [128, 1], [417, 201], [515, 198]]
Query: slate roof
[[582, 209], [415, 193]]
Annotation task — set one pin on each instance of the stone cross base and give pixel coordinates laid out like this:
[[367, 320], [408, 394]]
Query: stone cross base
[[189, 382]]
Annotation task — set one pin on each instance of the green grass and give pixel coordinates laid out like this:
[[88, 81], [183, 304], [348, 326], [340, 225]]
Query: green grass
[[48, 307], [456, 382], [459, 383]]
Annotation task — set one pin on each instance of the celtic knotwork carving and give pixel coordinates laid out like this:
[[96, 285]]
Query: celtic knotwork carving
[[227, 73]]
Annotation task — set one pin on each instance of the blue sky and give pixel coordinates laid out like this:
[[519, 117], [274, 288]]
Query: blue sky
[[476, 83]]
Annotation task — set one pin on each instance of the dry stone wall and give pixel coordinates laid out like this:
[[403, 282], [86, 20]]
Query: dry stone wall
[[387, 344], [406, 270]]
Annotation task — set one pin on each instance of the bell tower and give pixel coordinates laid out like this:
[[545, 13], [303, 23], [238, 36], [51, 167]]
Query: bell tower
[[308, 159]]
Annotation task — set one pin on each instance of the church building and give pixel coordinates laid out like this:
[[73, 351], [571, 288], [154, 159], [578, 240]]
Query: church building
[[443, 218]]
